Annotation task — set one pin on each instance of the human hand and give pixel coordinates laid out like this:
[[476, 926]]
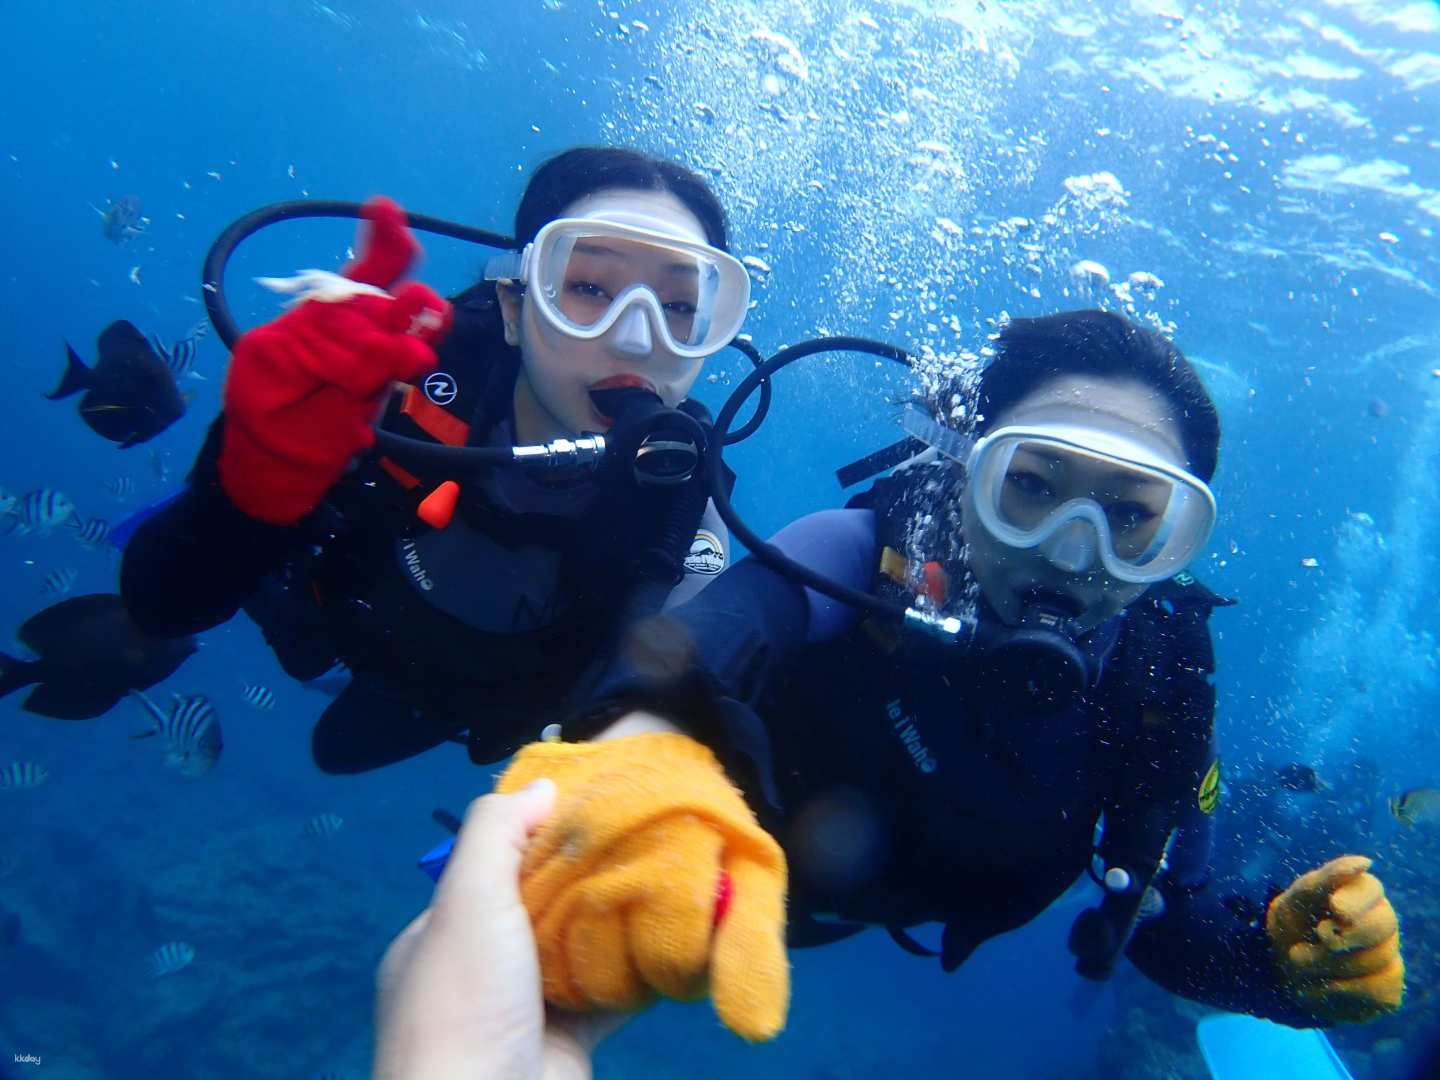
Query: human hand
[[459, 988], [303, 391], [1336, 942], [654, 877]]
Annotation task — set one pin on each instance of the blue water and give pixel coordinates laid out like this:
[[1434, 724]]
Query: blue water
[[1275, 166]]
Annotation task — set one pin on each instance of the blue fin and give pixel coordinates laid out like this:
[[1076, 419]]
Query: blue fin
[[433, 861], [121, 533], [1242, 1047]]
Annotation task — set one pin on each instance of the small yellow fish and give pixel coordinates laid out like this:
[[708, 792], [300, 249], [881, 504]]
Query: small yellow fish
[[1418, 806]]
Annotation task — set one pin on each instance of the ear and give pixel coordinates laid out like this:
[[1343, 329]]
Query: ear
[[512, 301]]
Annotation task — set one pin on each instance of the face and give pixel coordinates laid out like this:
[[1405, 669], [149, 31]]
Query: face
[[552, 394], [1037, 481]]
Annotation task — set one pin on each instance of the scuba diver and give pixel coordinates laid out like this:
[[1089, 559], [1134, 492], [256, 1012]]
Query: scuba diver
[[987, 675], [470, 605]]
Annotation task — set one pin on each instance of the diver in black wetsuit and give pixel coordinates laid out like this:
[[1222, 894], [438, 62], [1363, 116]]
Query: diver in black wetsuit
[[481, 622], [1066, 725]]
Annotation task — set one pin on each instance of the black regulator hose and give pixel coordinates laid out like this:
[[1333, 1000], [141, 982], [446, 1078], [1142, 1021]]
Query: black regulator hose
[[217, 306], [768, 554], [212, 272]]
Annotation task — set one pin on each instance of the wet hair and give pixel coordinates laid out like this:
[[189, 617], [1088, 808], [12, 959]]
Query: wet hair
[[574, 174], [1031, 352]]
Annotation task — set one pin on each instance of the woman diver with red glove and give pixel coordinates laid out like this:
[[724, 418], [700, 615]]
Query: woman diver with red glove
[[479, 621]]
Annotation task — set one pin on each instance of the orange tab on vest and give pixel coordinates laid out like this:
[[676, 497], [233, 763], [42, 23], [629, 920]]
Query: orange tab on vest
[[437, 508], [937, 582], [433, 420]]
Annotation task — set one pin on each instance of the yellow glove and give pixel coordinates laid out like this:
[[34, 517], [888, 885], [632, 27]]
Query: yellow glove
[[652, 876], [1336, 942]]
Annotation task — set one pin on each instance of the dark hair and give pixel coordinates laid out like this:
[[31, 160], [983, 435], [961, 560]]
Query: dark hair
[[573, 174], [1031, 352]]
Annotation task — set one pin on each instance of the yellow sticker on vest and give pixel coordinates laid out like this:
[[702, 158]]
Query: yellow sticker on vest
[[1209, 794]]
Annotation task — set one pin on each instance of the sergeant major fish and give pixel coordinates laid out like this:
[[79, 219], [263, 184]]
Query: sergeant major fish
[[191, 732], [262, 697], [169, 958], [122, 220], [41, 510], [59, 582], [180, 357], [22, 776], [91, 533], [1418, 806]]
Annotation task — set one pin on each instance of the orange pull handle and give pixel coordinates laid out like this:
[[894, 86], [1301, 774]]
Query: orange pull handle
[[437, 508]]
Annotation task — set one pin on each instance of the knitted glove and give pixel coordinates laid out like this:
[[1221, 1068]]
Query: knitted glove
[[653, 877], [304, 390], [1336, 942]]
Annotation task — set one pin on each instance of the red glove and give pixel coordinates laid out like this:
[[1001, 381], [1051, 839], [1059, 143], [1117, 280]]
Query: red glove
[[304, 390]]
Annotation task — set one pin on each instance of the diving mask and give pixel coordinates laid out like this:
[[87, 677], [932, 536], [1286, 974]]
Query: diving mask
[[1083, 496], [585, 273]]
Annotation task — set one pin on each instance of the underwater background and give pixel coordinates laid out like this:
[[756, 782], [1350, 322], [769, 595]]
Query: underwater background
[[906, 171]]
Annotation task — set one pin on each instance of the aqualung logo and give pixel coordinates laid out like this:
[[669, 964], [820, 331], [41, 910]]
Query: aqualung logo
[[411, 558], [909, 736], [441, 388]]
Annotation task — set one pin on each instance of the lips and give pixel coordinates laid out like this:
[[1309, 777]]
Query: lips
[[617, 382], [624, 382]]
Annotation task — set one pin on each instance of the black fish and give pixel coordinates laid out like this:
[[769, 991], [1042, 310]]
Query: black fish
[[122, 221], [1297, 777], [90, 656], [130, 395]]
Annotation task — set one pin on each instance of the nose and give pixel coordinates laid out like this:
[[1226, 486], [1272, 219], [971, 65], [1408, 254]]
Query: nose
[[1072, 547], [631, 335]]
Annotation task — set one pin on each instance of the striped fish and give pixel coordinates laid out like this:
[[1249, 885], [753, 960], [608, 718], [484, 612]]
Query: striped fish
[[8, 502], [43, 509], [192, 733], [92, 533], [120, 487], [262, 697], [169, 958], [180, 357], [22, 776], [323, 825], [59, 582]]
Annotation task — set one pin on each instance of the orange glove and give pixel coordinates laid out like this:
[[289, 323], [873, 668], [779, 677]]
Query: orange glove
[[652, 876], [1336, 942]]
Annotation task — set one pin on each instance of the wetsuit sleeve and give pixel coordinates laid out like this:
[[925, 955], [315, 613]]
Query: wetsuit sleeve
[[730, 640], [191, 566], [1210, 944]]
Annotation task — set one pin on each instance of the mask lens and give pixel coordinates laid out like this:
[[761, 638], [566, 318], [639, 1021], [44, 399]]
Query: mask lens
[[1030, 488], [586, 275]]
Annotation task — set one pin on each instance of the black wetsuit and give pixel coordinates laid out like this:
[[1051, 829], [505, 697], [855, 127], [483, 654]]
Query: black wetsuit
[[484, 625], [902, 796]]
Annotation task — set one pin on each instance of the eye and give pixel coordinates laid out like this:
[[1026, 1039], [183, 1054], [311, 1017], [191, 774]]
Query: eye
[[1129, 515], [1029, 484], [587, 289]]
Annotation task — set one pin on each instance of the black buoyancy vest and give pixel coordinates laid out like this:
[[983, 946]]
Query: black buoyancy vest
[[1155, 701], [461, 402]]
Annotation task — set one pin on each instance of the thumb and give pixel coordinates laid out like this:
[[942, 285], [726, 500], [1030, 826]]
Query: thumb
[[387, 246], [485, 863]]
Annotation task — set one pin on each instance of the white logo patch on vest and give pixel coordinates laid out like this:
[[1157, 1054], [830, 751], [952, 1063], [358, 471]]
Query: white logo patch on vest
[[909, 735], [441, 388], [707, 554]]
